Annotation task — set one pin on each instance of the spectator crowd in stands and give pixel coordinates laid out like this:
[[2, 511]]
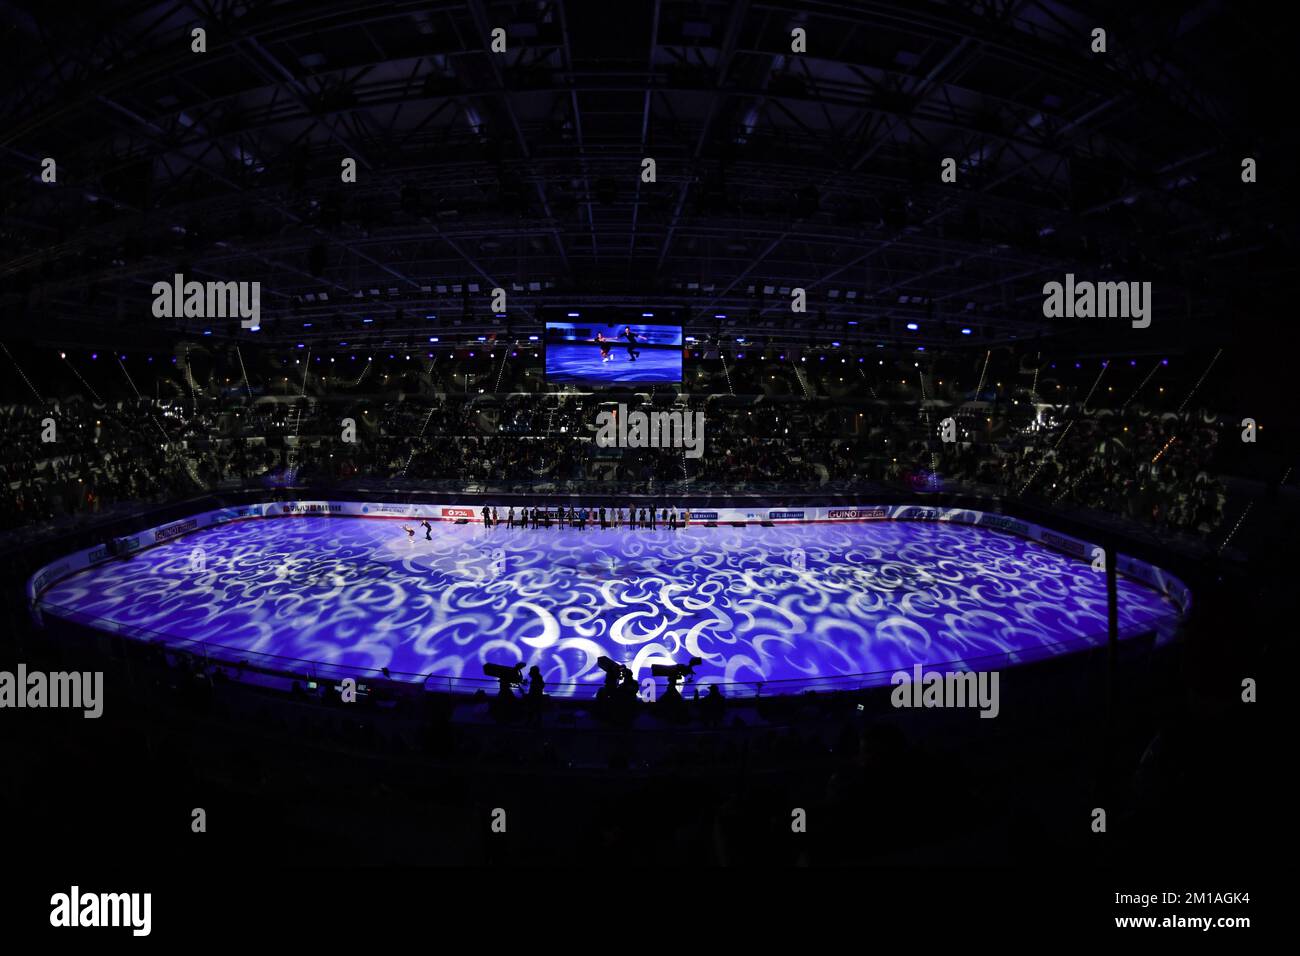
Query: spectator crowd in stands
[[1146, 467], [771, 426]]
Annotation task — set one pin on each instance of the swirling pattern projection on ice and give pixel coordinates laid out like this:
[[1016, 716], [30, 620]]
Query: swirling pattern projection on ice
[[800, 602]]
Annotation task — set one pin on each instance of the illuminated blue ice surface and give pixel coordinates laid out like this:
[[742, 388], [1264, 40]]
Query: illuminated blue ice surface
[[788, 603]]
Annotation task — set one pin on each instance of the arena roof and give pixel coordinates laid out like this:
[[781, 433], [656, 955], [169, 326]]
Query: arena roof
[[522, 169]]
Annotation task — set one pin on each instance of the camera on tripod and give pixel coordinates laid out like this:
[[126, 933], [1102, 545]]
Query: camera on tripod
[[676, 673], [507, 676], [612, 668]]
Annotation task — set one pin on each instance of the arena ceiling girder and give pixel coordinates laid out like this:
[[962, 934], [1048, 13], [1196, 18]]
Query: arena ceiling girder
[[521, 170]]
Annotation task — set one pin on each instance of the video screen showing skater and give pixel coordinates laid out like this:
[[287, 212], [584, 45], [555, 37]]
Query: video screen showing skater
[[597, 354]]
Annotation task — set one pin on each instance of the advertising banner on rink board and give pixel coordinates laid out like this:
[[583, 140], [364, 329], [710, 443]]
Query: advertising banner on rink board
[[125, 546], [1159, 579]]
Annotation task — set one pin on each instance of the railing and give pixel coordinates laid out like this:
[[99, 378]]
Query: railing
[[214, 654]]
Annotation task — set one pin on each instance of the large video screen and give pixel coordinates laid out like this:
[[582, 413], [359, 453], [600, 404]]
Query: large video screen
[[587, 353]]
